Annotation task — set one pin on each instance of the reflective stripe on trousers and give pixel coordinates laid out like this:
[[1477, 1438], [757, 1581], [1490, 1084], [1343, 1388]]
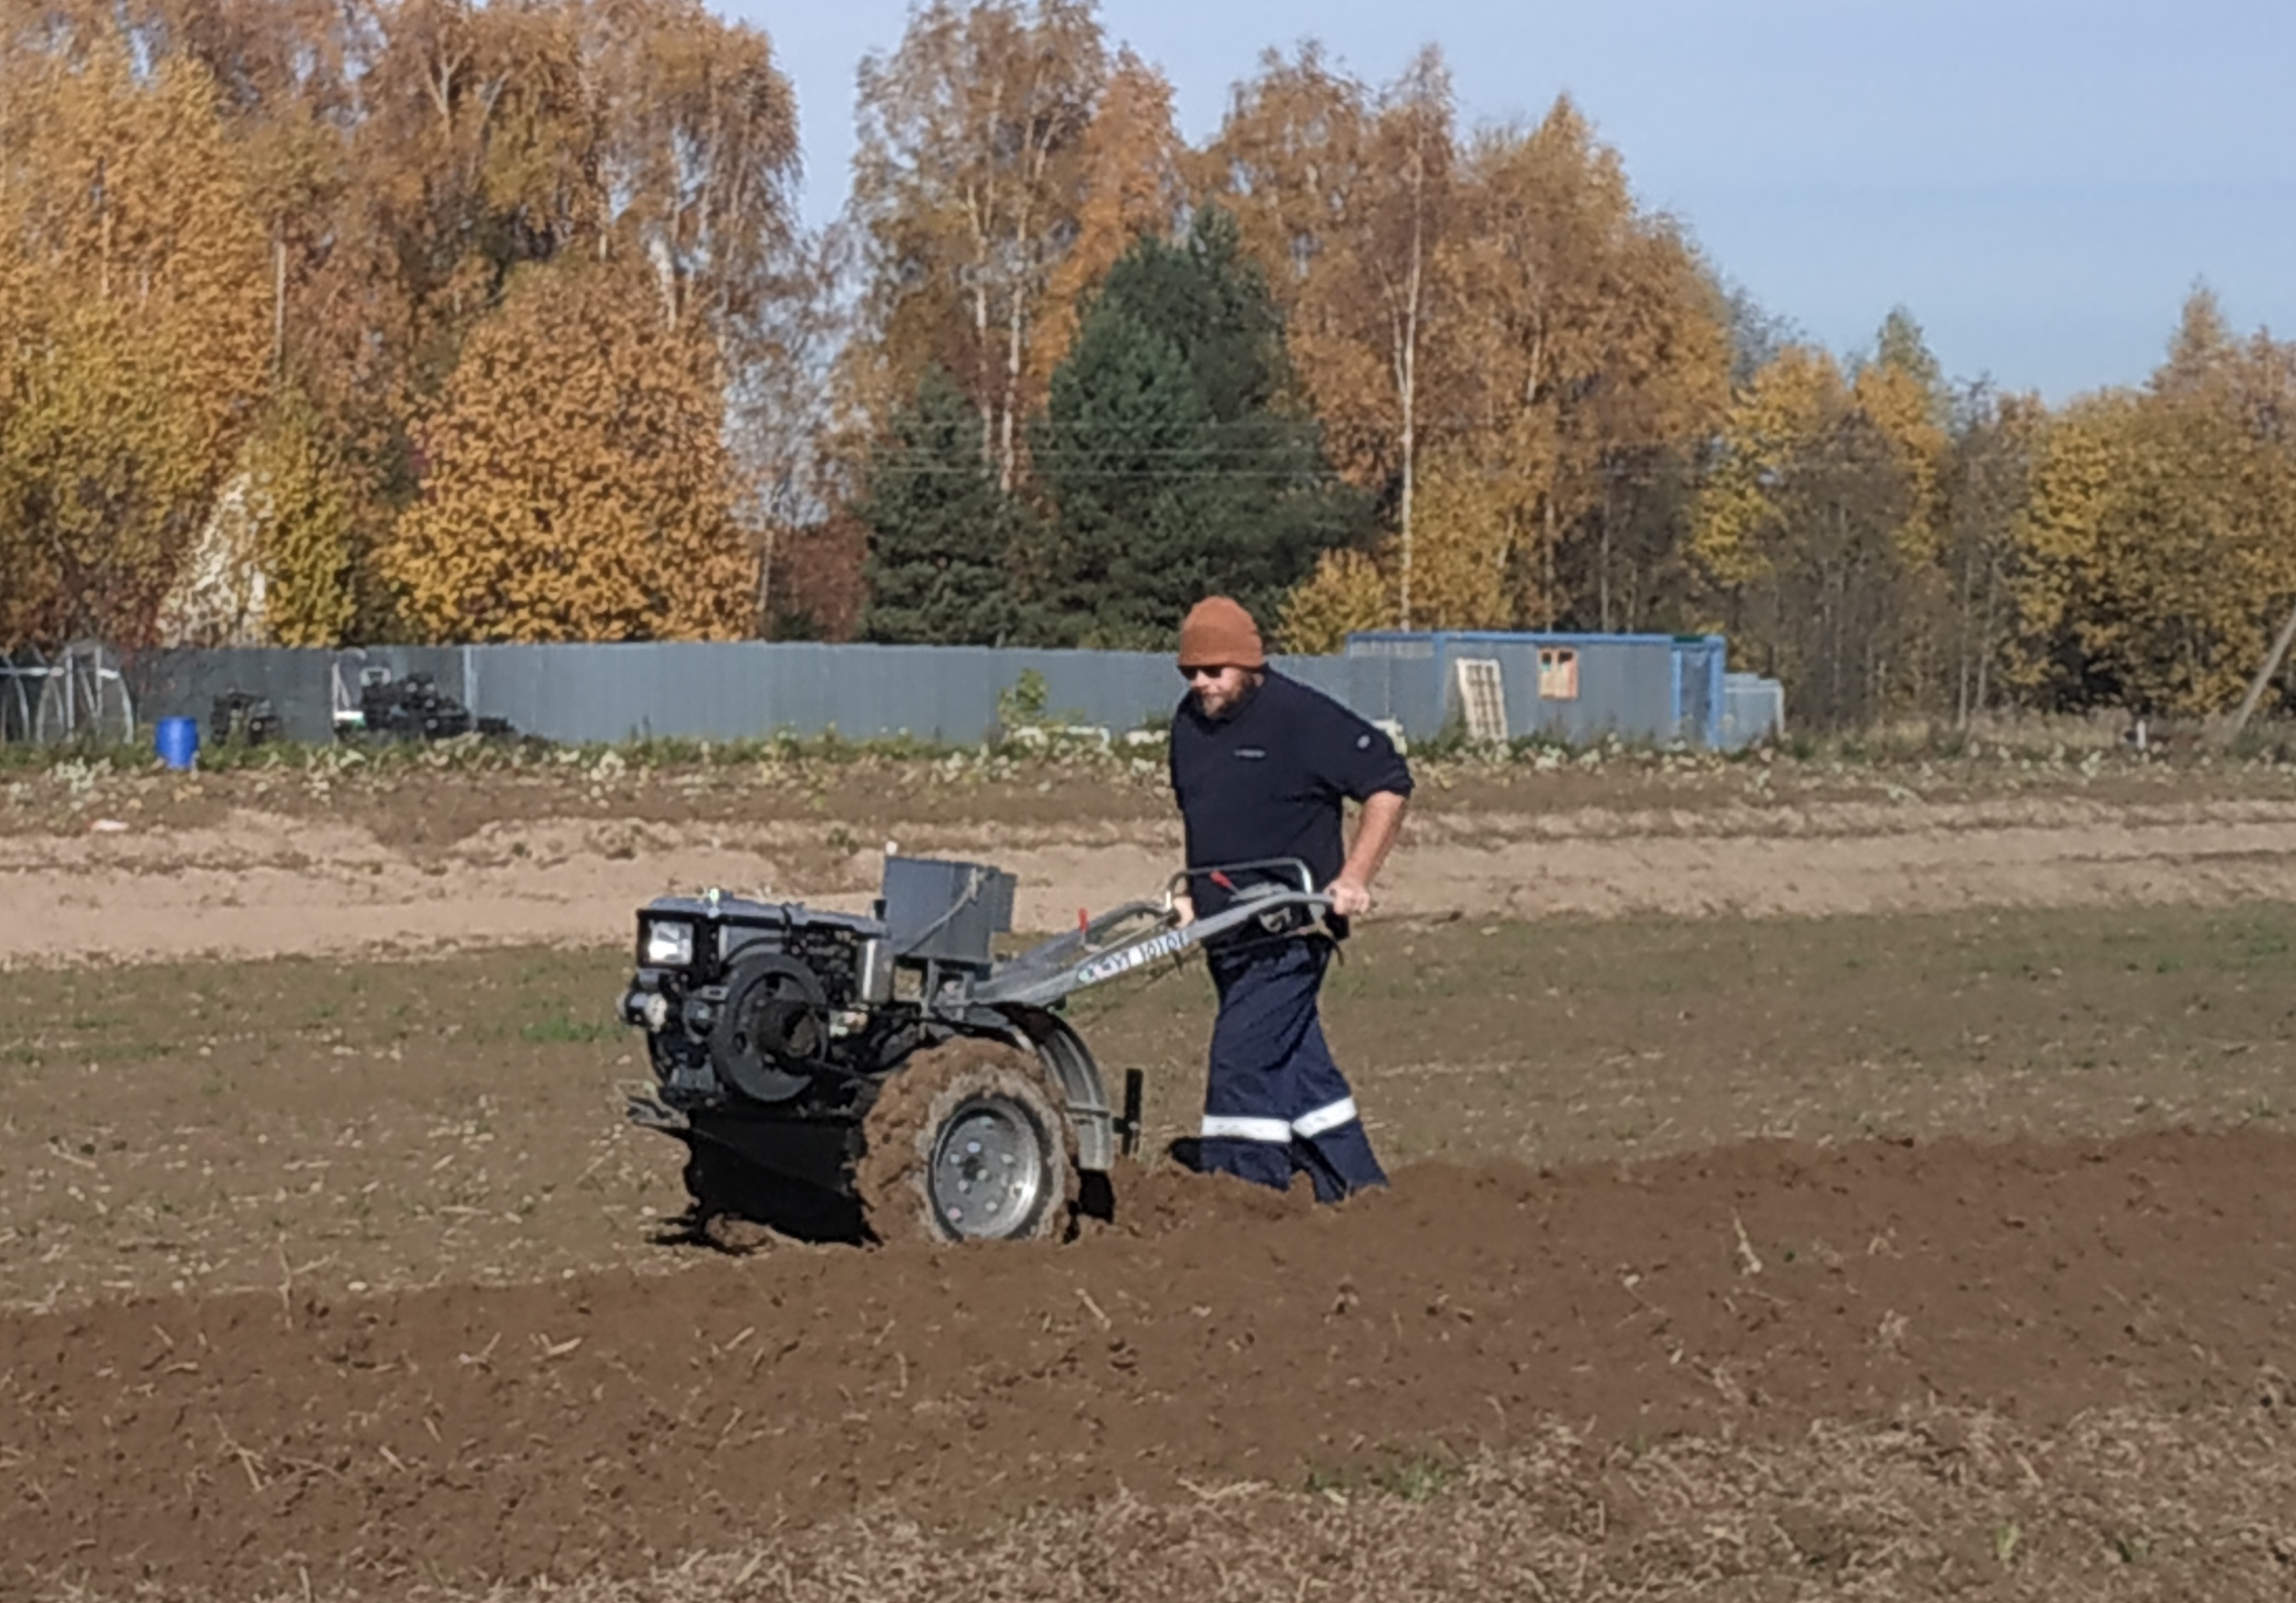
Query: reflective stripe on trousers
[[1329, 1117], [1275, 1103], [1228, 1127]]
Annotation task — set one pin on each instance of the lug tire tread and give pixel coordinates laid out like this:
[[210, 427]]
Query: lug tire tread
[[923, 1095]]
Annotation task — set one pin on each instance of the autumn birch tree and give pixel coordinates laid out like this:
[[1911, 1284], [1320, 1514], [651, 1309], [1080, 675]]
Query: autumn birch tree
[[695, 154], [1413, 146], [1130, 187], [782, 416], [1596, 362], [966, 189], [1344, 195], [1290, 163]]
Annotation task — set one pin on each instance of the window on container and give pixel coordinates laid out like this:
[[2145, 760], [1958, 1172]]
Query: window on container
[[1557, 674]]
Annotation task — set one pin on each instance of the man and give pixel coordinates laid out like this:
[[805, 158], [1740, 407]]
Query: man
[[1261, 765]]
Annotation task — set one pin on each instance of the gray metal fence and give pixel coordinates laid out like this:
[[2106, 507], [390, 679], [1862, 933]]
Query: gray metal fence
[[1644, 688], [1574, 687]]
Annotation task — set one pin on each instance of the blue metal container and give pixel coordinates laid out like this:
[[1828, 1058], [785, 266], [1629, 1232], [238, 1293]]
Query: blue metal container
[[178, 742]]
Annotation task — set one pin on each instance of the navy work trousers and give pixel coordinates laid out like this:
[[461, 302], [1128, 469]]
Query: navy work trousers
[[1275, 1103]]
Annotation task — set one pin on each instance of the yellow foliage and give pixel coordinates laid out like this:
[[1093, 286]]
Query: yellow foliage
[[1797, 405], [303, 509], [1582, 343], [1339, 193], [1817, 534], [1347, 594], [1782, 412], [578, 485], [2157, 549], [1904, 410], [2060, 533], [1465, 541], [131, 333], [1130, 188], [274, 563]]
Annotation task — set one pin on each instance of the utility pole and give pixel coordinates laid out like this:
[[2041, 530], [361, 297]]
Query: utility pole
[[2264, 676]]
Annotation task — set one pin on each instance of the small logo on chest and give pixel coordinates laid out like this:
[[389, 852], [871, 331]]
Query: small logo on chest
[[1251, 752]]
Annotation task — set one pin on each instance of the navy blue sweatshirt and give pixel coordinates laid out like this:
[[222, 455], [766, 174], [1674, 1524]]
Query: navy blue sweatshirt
[[1266, 780]]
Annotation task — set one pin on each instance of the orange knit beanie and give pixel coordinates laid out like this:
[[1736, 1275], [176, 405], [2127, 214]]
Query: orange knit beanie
[[1218, 633]]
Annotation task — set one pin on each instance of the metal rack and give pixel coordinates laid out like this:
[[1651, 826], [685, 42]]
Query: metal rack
[[81, 697]]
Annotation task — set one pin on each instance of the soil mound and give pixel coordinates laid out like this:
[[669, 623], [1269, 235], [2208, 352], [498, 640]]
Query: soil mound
[[1206, 1334]]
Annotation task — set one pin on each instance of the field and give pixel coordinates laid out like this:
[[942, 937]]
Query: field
[[1811, 1181]]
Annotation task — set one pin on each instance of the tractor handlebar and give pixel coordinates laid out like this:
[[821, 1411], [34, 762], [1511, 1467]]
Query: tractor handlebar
[[1086, 957]]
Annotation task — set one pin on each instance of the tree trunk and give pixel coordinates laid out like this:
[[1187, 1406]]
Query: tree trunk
[[979, 209], [278, 304], [1006, 449], [1965, 609], [1408, 372], [981, 338], [765, 585], [1546, 555], [1985, 634], [1602, 566]]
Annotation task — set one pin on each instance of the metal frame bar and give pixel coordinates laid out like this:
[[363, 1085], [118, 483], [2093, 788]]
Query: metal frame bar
[[1068, 963]]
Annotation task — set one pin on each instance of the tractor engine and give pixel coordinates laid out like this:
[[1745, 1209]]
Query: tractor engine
[[766, 1004], [779, 1009]]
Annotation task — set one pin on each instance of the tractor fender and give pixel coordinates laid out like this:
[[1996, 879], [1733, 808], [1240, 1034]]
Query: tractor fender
[[1074, 1070]]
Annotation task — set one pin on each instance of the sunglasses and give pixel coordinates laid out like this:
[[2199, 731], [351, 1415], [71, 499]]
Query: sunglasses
[[1199, 671]]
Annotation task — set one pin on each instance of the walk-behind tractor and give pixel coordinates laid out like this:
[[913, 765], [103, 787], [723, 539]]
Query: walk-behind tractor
[[895, 1060]]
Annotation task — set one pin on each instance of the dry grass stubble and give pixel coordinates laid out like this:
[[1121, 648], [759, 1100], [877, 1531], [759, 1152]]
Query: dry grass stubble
[[1939, 1504], [2121, 1503]]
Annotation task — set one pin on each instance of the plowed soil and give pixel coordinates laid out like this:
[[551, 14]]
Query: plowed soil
[[1935, 1237], [466, 1434]]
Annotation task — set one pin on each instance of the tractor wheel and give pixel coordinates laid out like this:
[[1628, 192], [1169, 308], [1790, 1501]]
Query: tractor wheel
[[967, 1142]]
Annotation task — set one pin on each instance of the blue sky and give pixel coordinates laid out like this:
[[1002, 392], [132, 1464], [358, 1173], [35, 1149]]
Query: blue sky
[[2040, 182]]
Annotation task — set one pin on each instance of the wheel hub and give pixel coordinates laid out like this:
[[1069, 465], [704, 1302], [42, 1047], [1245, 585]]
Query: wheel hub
[[987, 1175]]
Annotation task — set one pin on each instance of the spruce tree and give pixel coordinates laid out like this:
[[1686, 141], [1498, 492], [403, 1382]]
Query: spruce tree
[[940, 532], [1174, 455], [1126, 453]]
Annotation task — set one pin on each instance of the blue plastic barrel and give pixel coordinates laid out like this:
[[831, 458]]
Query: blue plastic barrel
[[178, 741]]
